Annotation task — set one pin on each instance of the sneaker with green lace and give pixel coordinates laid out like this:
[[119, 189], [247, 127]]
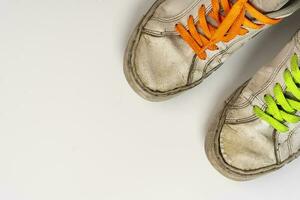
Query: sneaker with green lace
[[258, 130]]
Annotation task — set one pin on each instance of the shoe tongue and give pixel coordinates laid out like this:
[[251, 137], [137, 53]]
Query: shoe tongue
[[268, 5]]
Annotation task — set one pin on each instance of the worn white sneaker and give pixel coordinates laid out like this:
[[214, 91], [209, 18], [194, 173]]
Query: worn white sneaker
[[178, 43], [258, 130]]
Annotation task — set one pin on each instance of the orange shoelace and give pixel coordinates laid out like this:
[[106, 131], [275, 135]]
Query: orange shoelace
[[228, 25]]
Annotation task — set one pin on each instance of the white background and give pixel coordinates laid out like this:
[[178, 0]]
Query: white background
[[71, 128]]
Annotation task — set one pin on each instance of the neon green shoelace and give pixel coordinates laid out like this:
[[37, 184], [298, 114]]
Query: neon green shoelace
[[283, 108]]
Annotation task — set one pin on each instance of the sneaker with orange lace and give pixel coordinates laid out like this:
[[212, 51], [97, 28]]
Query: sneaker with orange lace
[[178, 43]]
